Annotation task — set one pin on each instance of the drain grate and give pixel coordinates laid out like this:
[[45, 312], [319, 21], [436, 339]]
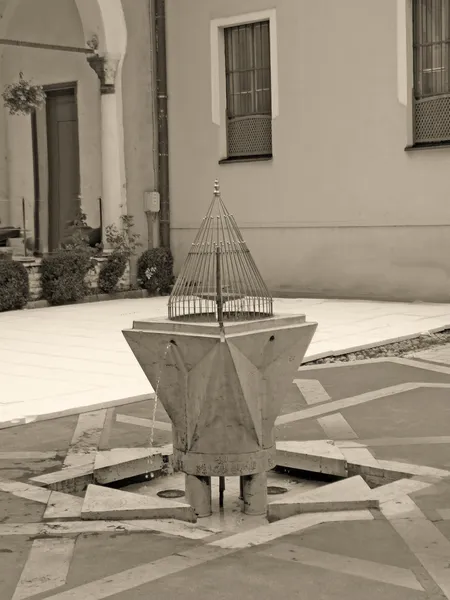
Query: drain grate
[[273, 490], [170, 494]]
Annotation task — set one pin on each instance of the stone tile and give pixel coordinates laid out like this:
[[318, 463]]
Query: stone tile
[[336, 427], [426, 454], [85, 439], [402, 414], [440, 354], [308, 430], [14, 509], [46, 568], [24, 490], [349, 494], [106, 503], [44, 436], [374, 540], [119, 553], [367, 570], [318, 457], [63, 506], [267, 533], [63, 528], [14, 553]]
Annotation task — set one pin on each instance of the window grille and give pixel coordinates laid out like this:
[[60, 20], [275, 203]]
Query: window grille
[[431, 27], [248, 90]]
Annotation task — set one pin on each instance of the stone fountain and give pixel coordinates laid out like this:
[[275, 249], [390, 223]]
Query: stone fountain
[[222, 364]]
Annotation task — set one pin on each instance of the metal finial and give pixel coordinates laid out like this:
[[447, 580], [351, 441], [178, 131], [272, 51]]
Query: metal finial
[[216, 188]]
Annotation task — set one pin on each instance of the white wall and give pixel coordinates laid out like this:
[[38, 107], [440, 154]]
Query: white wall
[[342, 209], [52, 22]]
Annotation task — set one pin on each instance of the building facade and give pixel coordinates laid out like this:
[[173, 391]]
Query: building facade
[[327, 124], [95, 136]]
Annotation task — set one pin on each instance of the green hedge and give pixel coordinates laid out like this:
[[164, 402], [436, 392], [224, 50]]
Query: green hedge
[[111, 271], [63, 276], [155, 271], [14, 285]]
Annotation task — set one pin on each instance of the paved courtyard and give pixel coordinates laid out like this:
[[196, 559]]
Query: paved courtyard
[[386, 413], [61, 359]]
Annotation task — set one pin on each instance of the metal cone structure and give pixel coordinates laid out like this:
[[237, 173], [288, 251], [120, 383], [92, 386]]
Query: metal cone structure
[[222, 382]]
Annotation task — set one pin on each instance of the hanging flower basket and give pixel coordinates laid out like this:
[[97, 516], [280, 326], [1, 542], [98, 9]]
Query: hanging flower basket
[[22, 97]]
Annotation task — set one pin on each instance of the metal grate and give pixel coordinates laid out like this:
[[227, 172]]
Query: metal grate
[[432, 119], [250, 136], [219, 280], [248, 86], [431, 70]]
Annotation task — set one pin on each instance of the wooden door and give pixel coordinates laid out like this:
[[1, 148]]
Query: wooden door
[[63, 162]]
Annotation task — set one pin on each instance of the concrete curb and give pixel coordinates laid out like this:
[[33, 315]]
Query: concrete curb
[[126, 295]]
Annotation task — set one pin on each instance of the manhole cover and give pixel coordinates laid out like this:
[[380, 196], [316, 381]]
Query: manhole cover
[[272, 490], [170, 494]]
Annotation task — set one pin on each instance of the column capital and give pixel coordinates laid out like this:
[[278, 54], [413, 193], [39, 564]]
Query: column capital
[[105, 66]]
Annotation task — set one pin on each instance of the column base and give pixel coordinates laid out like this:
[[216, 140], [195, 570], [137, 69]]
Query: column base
[[198, 494], [254, 493]]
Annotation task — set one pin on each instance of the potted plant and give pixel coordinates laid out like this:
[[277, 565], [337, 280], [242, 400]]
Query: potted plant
[[23, 97]]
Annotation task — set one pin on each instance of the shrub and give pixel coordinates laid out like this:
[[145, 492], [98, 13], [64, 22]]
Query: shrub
[[111, 271], [14, 286], [63, 276], [123, 240], [155, 271]]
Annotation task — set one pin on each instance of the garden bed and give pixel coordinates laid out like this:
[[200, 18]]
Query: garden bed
[[34, 266]]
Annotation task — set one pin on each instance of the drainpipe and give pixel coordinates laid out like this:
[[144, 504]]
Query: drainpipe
[[163, 130], [36, 183]]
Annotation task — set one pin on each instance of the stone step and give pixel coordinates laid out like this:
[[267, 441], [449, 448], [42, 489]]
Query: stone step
[[320, 456], [349, 494], [123, 463], [106, 503], [70, 480]]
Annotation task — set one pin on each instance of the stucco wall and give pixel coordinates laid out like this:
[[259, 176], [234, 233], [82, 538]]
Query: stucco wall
[[58, 22], [342, 210], [138, 112], [52, 22]]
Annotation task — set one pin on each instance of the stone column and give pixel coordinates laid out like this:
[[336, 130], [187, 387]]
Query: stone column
[[254, 493], [106, 67], [198, 494]]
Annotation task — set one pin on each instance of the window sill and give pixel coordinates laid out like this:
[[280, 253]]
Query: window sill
[[427, 146], [240, 159]]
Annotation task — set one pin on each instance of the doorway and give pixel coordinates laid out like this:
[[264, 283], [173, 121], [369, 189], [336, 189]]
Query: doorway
[[63, 162]]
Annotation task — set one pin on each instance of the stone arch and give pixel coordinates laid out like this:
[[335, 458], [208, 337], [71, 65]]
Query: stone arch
[[106, 20], [103, 18]]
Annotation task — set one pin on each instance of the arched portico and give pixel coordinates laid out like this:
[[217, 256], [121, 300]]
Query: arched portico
[[105, 20]]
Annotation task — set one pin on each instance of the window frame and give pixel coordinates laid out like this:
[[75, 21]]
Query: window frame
[[218, 76], [422, 101]]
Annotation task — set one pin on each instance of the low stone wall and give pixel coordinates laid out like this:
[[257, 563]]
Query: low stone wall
[[34, 265]]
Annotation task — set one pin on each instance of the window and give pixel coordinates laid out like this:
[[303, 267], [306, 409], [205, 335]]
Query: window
[[431, 27], [248, 90]]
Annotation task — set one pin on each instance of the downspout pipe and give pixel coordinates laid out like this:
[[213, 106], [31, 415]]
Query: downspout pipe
[[163, 126]]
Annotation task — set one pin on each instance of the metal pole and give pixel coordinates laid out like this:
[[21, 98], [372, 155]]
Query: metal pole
[[100, 208], [162, 110], [221, 490], [24, 227], [36, 183], [219, 298]]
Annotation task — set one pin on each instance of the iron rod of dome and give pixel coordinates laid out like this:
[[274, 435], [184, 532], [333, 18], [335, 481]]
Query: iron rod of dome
[[40, 46]]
